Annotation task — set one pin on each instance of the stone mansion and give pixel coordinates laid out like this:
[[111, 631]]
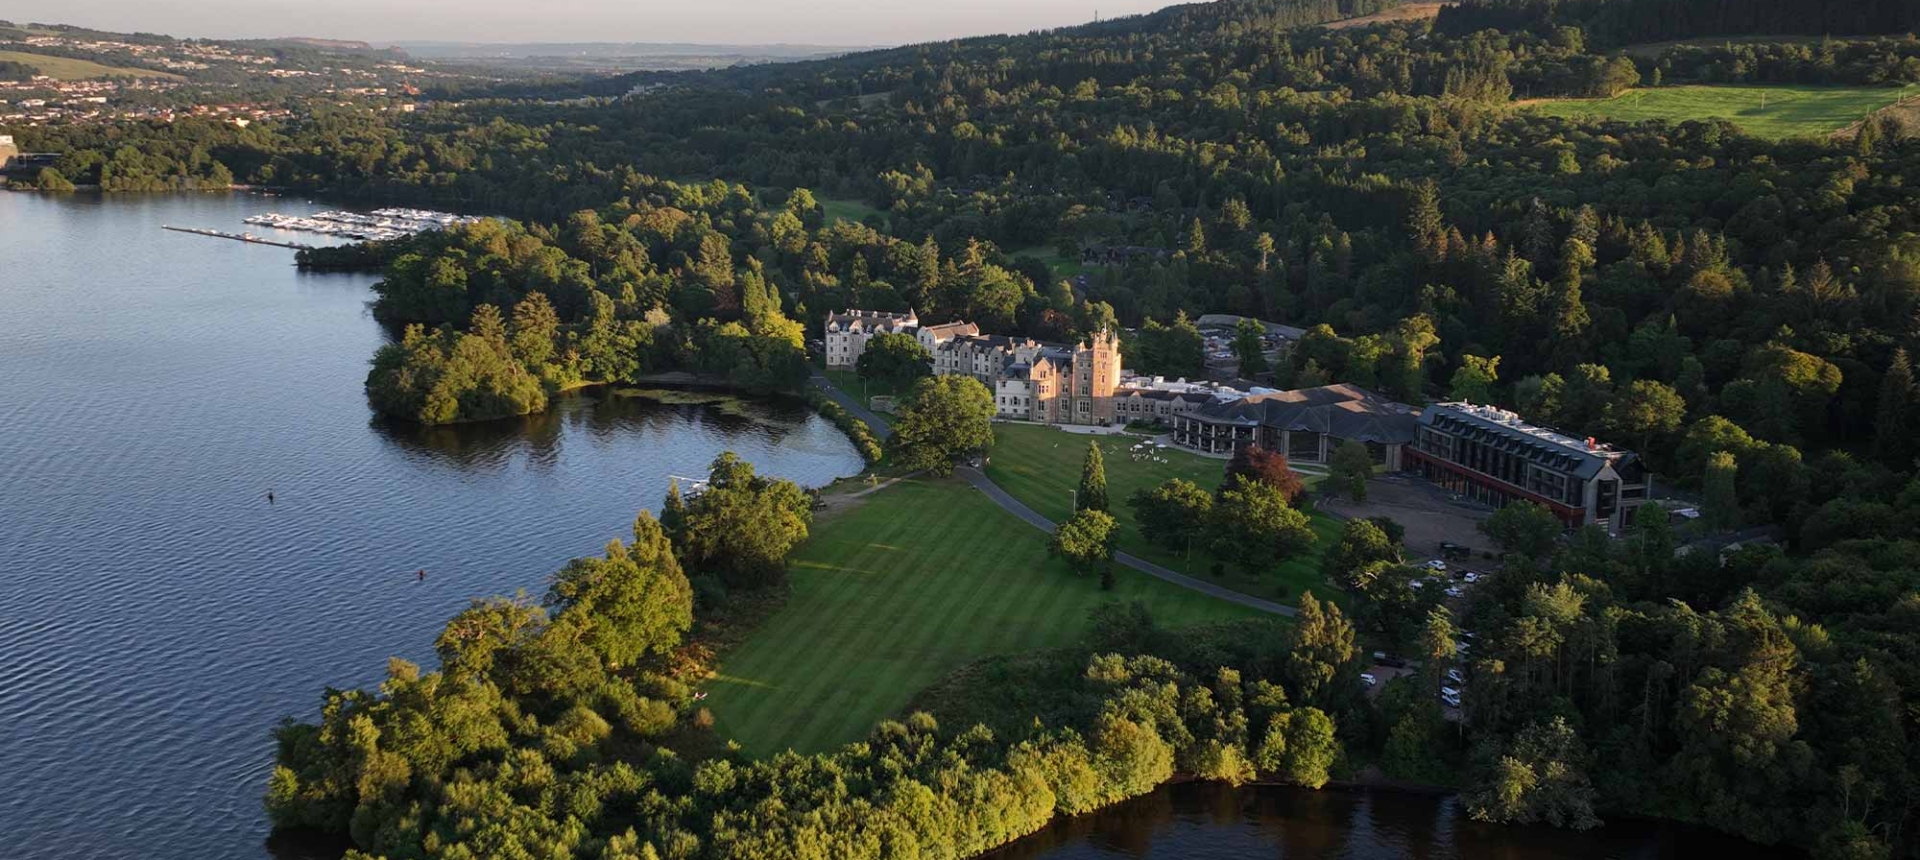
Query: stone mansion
[[1030, 380]]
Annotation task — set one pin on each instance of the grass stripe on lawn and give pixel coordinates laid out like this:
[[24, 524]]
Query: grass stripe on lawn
[[890, 596], [1041, 467]]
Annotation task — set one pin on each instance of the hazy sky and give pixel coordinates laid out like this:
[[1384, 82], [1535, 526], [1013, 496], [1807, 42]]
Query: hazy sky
[[819, 22]]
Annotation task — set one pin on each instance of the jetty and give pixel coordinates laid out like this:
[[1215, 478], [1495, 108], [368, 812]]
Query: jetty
[[240, 237]]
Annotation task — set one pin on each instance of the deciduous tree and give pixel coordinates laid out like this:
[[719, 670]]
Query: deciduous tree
[[1254, 463], [1253, 526], [894, 359], [1349, 468], [1085, 541], [1174, 514], [946, 418]]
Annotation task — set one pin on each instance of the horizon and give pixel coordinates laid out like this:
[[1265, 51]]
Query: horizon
[[826, 24]]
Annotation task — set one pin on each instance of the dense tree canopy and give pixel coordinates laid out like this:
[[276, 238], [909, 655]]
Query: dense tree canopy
[[742, 526], [895, 359], [946, 418]]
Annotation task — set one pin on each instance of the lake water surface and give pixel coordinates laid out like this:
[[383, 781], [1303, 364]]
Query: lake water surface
[[1216, 822], [157, 615]]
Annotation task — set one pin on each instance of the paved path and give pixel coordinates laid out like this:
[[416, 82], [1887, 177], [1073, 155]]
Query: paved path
[[1019, 509], [881, 429]]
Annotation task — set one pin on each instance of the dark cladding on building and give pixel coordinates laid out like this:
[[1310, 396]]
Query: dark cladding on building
[[1306, 425], [1490, 455]]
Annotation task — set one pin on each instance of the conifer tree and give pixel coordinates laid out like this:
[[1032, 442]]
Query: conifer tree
[[673, 512], [1722, 499], [1092, 495], [1893, 427]]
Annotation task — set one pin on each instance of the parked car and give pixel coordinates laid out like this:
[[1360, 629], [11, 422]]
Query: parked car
[[1436, 564], [1471, 576], [1455, 592], [1455, 676], [1368, 679], [1453, 700]]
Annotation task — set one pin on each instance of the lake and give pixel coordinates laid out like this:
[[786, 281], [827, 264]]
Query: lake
[[1217, 822], [157, 615]]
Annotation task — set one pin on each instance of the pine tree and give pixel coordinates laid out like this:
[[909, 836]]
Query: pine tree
[[1437, 645], [1092, 495], [673, 512], [1538, 232], [1893, 426], [1569, 311], [1196, 240], [1424, 219], [1722, 501]]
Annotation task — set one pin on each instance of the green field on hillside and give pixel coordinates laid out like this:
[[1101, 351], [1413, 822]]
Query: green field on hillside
[[924, 577], [1041, 467], [837, 209], [68, 69], [1061, 266], [1771, 112]]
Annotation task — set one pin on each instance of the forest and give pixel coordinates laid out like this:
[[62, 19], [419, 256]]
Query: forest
[[1739, 310]]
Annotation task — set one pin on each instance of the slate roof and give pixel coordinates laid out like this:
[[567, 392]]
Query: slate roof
[[1158, 394], [1343, 411], [1504, 430], [872, 318], [951, 329]]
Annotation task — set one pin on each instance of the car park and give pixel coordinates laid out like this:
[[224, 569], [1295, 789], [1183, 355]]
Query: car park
[[1384, 659]]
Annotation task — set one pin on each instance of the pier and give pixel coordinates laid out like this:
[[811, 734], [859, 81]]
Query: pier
[[242, 237]]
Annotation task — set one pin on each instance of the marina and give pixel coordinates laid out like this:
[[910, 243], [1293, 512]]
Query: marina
[[241, 237], [376, 226]]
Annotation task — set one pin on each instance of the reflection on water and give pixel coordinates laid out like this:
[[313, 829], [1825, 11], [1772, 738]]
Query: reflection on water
[[1209, 821], [157, 615], [606, 417]]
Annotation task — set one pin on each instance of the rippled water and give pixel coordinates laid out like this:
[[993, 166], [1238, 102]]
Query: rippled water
[[1214, 822], [157, 615]]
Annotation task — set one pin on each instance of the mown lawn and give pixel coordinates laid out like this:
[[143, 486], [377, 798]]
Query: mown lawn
[[850, 382], [889, 597], [1762, 111], [1041, 467]]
